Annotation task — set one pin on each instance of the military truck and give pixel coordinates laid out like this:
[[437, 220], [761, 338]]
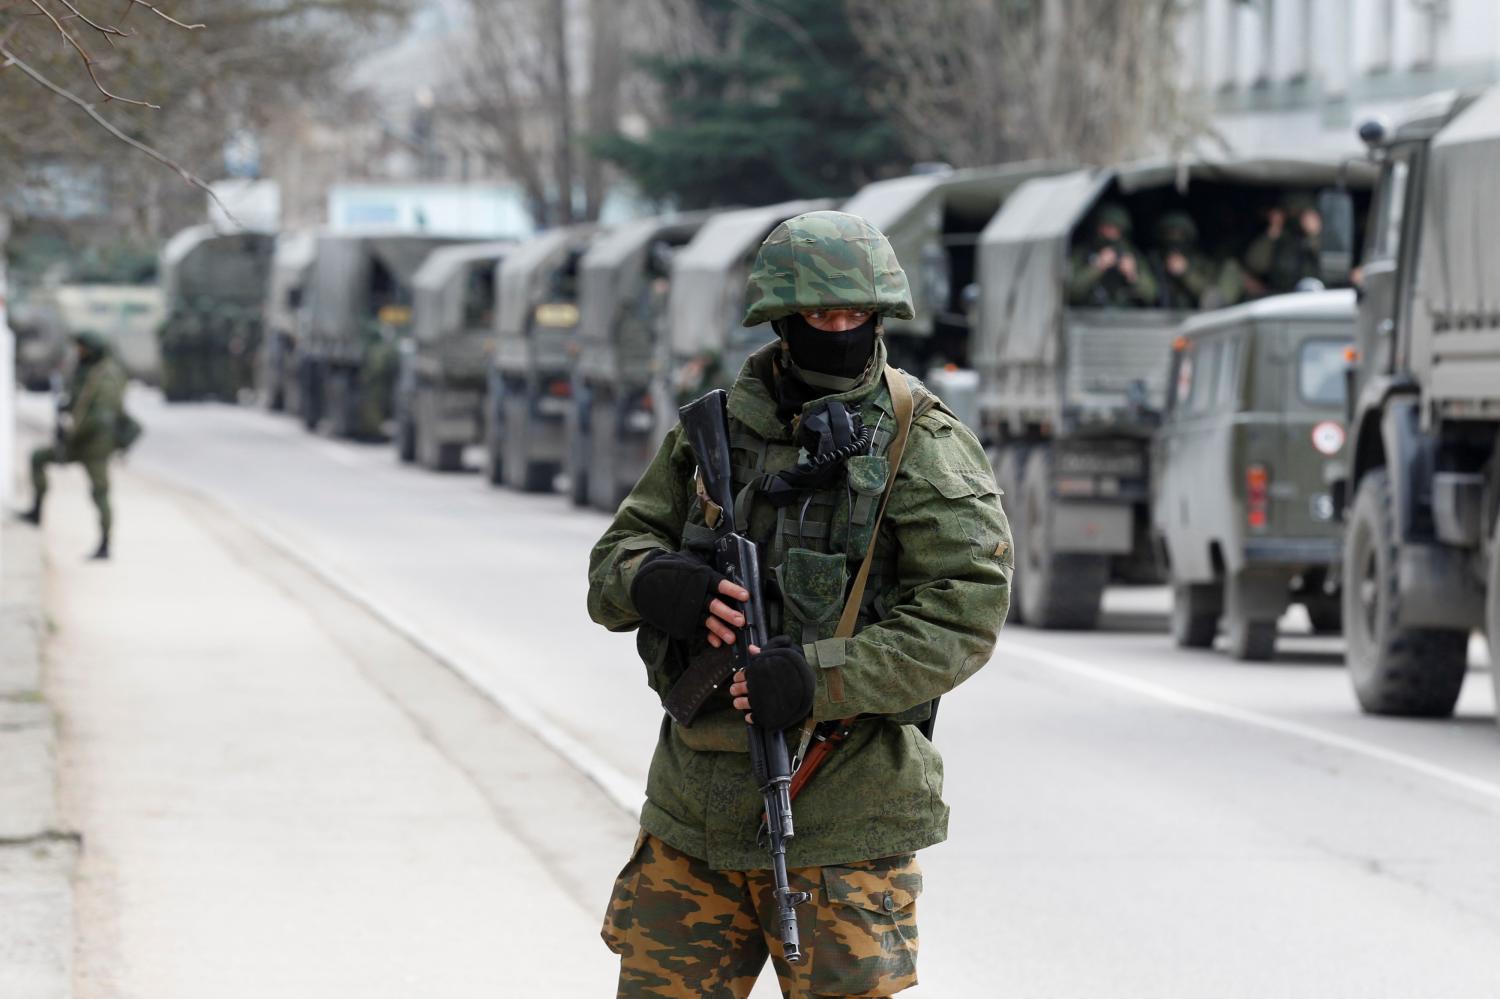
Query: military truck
[[707, 345], [933, 220], [286, 315], [624, 289], [1071, 392], [214, 285], [530, 391], [360, 304], [445, 357], [1241, 468], [1422, 530]]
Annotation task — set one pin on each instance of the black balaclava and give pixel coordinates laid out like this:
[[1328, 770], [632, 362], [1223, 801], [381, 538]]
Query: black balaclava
[[838, 355]]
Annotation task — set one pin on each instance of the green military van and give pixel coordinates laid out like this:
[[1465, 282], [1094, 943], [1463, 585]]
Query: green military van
[[1241, 468]]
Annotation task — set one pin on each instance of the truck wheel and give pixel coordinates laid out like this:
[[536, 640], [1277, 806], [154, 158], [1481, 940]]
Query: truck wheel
[[406, 440], [1008, 465], [1195, 614], [538, 477], [1059, 590], [448, 456], [313, 394], [604, 485], [1492, 616], [1250, 640], [1396, 671], [494, 466]]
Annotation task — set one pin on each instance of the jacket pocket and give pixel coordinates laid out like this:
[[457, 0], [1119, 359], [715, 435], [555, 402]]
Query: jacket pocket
[[812, 593], [866, 939], [619, 918], [867, 476]]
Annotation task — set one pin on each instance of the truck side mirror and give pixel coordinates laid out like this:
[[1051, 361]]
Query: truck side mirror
[[1336, 253]]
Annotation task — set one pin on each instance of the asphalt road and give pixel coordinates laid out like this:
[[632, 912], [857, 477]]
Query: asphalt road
[[1128, 819]]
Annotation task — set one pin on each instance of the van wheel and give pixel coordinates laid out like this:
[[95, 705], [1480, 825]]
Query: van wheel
[[1008, 465], [1060, 590], [1396, 671], [1195, 614]]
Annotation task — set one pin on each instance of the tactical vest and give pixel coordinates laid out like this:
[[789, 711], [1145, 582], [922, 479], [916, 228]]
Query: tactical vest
[[812, 548]]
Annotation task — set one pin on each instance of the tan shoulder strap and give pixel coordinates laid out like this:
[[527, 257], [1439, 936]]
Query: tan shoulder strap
[[901, 402]]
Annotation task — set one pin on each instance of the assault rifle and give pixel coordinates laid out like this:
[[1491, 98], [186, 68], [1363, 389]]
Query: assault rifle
[[705, 423]]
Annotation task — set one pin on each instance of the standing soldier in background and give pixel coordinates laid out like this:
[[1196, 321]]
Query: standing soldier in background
[[1107, 271], [845, 469], [1183, 274], [1287, 251], [91, 426]]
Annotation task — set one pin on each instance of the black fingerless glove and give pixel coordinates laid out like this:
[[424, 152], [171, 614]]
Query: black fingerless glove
[[672, 590], [781, 684]]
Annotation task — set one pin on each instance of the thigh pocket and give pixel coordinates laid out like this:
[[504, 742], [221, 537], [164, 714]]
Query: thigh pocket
[[866, 938], [620, 916]]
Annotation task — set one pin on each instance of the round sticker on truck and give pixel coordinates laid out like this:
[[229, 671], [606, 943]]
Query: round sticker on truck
[[1328, 438]]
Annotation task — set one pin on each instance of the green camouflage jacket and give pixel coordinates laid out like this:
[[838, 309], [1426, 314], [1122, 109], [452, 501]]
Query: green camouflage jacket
[[947, 592], [96, 398]]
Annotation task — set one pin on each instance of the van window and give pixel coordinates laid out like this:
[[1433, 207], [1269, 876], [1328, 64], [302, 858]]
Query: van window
[[1320, 372], [1229, 375], [1204, 387]]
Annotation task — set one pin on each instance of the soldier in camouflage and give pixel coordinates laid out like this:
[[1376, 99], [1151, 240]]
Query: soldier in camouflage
[[91, 419], [692, 912], [1105, 269]]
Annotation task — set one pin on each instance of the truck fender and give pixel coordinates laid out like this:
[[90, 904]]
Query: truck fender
[[1408, 458]]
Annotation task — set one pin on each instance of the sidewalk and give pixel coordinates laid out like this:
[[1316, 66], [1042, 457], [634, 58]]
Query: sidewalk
[[266, 808]]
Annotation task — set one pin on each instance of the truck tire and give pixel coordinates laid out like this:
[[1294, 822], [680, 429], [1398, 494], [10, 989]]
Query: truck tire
[[313, 394], [520, 471], [604, 484], [1415, 672], [494, 464], [406, 440], [1195, 614], [1059, 590], [1008, 464], [1250, 640]]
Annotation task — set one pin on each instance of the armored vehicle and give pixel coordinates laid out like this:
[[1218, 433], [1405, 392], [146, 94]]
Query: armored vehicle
[[707, 304], [624, 284], [214, 286], [1422, 532], [445, 357], [286, 317], [530, 391], [1241, 500], [361, 293], [933, 220], [1073, 372]]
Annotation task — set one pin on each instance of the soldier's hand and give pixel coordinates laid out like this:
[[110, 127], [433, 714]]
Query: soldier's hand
[[722, 618], [778, 681], [675, 592], [1106, 259], [1177, 264], [1127, 268]]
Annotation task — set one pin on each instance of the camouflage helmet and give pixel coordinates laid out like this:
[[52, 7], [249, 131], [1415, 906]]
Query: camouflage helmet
[[1180, 222], [826, 260], [1112, 213], [92, 341]]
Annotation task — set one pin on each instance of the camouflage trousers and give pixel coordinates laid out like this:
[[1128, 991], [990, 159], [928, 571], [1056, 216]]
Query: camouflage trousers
[[686, 931], [95, 465]]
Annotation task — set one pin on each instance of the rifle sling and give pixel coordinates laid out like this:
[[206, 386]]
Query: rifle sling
[[809, 761]]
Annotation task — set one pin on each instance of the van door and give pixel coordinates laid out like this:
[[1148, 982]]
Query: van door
[[1312, 386]]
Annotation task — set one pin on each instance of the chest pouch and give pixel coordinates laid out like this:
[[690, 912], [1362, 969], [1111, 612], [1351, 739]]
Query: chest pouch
[[829, 434], [867, 478], [812, 593]]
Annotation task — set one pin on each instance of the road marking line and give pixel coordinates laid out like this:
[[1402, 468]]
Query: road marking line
[[1189, 702]]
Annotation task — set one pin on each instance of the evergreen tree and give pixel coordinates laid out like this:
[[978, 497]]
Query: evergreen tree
[[778, 110]]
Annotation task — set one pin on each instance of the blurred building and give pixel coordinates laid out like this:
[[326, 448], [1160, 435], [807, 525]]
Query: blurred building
[[1285, 75]]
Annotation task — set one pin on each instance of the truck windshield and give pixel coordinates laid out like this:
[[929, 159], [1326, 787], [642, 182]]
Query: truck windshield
[[1320, 372]]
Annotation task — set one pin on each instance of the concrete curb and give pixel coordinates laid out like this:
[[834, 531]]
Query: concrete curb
[[37, 855]]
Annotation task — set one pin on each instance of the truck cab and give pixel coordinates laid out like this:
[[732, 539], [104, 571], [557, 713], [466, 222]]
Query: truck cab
[[1073, 382], [1241, 505]]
